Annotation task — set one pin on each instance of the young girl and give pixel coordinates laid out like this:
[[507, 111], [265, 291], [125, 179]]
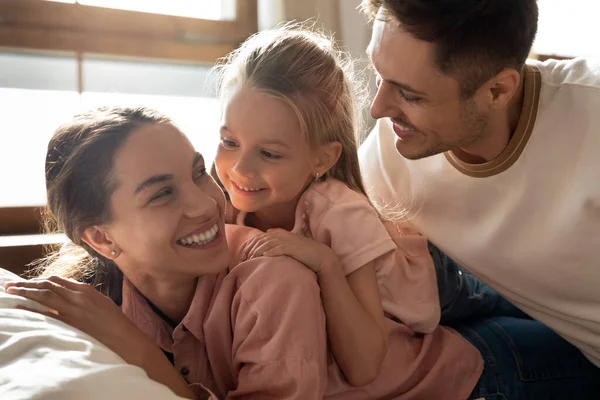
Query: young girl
[[288, 160]]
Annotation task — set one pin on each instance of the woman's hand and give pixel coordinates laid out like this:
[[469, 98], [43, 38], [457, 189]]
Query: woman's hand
[[86, 309], [278, 242], [81, 306]]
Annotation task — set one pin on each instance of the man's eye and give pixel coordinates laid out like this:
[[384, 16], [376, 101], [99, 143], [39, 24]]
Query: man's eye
[[409, 98]]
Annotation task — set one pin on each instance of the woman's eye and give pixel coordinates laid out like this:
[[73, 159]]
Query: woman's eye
[[163, 193], [200, 173], [270, 155]]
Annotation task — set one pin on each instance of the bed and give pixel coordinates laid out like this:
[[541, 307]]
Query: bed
[[43, 358]]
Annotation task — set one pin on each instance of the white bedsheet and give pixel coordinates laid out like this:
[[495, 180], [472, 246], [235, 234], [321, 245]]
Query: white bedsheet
[[43, 358]]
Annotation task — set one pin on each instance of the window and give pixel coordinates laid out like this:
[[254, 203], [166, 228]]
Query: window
[[59, 57], [39, 92], [567, 29], [83, 28], [216, 10]]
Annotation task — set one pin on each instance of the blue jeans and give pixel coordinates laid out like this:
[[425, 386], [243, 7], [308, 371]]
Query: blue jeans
[[525, 360], [463, 296]]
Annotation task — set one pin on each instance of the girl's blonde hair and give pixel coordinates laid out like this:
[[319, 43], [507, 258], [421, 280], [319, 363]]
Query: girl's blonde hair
[[303, 67]]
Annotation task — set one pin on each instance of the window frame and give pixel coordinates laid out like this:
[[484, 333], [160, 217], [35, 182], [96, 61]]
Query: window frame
[[41, 26], [68, 27]]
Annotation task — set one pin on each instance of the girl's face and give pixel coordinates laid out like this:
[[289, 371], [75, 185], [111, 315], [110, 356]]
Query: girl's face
[[167, 212], [262, 159]]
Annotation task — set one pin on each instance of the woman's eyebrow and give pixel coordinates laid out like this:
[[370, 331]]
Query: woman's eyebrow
[[153, 180]]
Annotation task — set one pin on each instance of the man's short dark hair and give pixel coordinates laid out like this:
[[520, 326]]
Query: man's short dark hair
[[475, 39]]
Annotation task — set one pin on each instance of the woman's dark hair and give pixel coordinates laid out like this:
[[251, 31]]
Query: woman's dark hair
[[79, 185]]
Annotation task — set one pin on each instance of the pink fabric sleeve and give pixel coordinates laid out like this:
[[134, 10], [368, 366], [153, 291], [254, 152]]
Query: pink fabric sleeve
[[407, 281], [279, 346], [354, 232]]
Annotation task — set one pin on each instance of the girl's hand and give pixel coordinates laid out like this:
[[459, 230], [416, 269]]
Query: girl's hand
[[81, 306], [278, 242]]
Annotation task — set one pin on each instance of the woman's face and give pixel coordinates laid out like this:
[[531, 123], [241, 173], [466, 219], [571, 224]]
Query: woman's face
[[167, 212]]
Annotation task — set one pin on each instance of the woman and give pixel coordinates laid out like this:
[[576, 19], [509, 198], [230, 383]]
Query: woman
[[129, 190], [146, 225]]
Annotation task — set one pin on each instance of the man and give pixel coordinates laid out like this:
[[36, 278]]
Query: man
[[495, 161]]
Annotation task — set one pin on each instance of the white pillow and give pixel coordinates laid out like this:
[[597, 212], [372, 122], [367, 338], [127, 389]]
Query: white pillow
[[43, 358]]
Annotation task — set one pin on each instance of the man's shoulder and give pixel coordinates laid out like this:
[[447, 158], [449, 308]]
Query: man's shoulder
[[583, 73]]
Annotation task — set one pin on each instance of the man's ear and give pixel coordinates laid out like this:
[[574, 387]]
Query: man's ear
[[97, 238], [501, 88], [326, 157]]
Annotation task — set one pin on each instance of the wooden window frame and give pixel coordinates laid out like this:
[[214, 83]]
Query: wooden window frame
[[544, 57], [21, 226], [66, 27]]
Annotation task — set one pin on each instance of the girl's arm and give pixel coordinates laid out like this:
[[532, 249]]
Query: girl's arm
[[355, 321], [352, 304]]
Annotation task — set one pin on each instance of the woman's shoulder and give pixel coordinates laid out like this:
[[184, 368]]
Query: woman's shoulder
[[262, 272]]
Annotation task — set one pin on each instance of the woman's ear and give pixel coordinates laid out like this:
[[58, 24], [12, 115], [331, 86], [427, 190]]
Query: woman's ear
[[97, 239], [326, 157]]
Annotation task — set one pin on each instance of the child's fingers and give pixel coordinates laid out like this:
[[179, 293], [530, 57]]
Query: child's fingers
[[264, 247], [276, 251], [246, 248], [251, 245]]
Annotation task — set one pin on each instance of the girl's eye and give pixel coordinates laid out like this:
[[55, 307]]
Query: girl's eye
[[270, 155], [163, 193], [228, 143], [200, 173]]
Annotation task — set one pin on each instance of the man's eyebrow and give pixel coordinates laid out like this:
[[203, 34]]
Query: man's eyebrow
[[402, 86], [153, 180], [405, 87]]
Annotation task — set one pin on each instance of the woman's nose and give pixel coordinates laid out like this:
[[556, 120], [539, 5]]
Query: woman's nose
[[200, 205]]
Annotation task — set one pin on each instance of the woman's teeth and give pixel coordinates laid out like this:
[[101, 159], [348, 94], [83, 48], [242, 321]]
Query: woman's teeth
[[200, 238]]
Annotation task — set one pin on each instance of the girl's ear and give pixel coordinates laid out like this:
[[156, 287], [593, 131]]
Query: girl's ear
[[326, 157]]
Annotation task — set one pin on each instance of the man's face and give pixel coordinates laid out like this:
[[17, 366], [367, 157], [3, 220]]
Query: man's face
[[429, 115]]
